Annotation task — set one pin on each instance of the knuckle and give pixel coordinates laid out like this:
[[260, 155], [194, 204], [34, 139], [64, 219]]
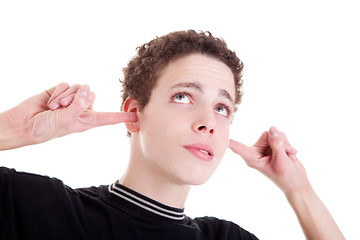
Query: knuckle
[[92, 96], [63, 85], [50, 91], [76, 86], [81, 103], [282, 134], [278, 143]]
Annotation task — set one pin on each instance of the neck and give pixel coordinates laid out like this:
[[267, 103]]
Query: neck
[[146, 179]]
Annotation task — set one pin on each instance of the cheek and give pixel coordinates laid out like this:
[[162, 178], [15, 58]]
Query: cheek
[[158, 132], [223, 126], [164, 123], [223, 138]]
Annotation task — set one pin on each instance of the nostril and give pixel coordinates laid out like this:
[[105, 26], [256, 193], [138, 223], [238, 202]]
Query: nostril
[[201, 128], [204, 128]]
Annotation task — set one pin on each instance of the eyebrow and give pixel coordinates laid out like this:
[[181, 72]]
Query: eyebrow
[[198, 86], [224, 93]]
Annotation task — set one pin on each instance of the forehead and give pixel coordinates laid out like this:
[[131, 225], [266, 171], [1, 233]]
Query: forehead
[[209, 71]]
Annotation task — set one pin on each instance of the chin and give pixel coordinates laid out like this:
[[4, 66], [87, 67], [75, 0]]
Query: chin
[[198, 183], [195, 181], [196, 178]]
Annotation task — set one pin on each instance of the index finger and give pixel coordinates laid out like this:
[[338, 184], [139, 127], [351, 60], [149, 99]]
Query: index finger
[[240, 149], [109, 118]]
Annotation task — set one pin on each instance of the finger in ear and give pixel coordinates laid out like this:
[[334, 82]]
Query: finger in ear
[[131, 105]]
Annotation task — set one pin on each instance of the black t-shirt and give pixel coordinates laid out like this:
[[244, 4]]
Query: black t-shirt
[[39, 207]]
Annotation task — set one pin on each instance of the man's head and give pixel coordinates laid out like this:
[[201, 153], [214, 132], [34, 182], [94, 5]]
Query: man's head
[[142, 72], [184, 88], [183, 132]]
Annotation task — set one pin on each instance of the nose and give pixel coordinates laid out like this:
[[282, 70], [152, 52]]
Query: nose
[[205, 123]]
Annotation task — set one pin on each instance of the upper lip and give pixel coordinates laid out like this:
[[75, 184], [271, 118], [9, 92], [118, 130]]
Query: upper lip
[[200, 146]]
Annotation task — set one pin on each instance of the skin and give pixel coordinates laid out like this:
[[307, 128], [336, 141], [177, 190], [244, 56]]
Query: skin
[[201, 113], [158, 159], [56, 112]]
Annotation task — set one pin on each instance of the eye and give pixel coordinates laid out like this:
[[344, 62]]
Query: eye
[[223, 110], [181, 98]]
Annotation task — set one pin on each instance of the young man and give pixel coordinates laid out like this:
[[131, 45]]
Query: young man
[[180, 94]]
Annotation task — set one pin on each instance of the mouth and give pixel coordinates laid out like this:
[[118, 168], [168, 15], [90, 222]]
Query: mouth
[[204, 152]]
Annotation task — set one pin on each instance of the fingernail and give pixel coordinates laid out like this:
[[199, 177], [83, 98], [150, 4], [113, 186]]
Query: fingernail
[[54, 105], [293, 157], [66, 101], [85, 90], [274, 132]]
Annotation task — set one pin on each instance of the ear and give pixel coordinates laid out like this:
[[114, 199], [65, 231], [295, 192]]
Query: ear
[[131, 105]]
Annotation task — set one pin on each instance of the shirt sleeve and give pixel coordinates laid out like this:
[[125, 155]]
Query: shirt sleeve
[[31, 204]]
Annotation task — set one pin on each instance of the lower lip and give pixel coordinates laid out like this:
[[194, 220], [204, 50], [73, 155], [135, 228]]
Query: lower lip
[[199, 154]]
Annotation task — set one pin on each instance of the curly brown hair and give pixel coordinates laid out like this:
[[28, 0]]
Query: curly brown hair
[[143, 70]]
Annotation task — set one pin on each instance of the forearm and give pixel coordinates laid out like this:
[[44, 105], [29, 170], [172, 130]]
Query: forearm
[[315, 220], [11, 136]]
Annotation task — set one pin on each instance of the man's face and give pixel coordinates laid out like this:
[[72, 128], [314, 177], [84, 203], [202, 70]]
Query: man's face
[[184, 128]]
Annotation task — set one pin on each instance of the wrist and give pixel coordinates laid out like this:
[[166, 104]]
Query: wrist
[[302, 193]]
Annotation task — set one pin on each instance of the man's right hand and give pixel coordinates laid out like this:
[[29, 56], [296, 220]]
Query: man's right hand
[[56, 112]]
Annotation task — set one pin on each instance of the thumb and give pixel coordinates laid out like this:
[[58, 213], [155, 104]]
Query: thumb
[[276, 144], [80, 104]]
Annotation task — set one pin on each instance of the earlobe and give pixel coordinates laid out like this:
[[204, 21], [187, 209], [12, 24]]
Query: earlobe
[[131, 105]]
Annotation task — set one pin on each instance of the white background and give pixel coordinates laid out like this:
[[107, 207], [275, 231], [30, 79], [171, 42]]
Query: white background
[[301, 75]]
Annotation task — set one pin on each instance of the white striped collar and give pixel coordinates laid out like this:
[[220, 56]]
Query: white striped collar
[[145, 202]]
